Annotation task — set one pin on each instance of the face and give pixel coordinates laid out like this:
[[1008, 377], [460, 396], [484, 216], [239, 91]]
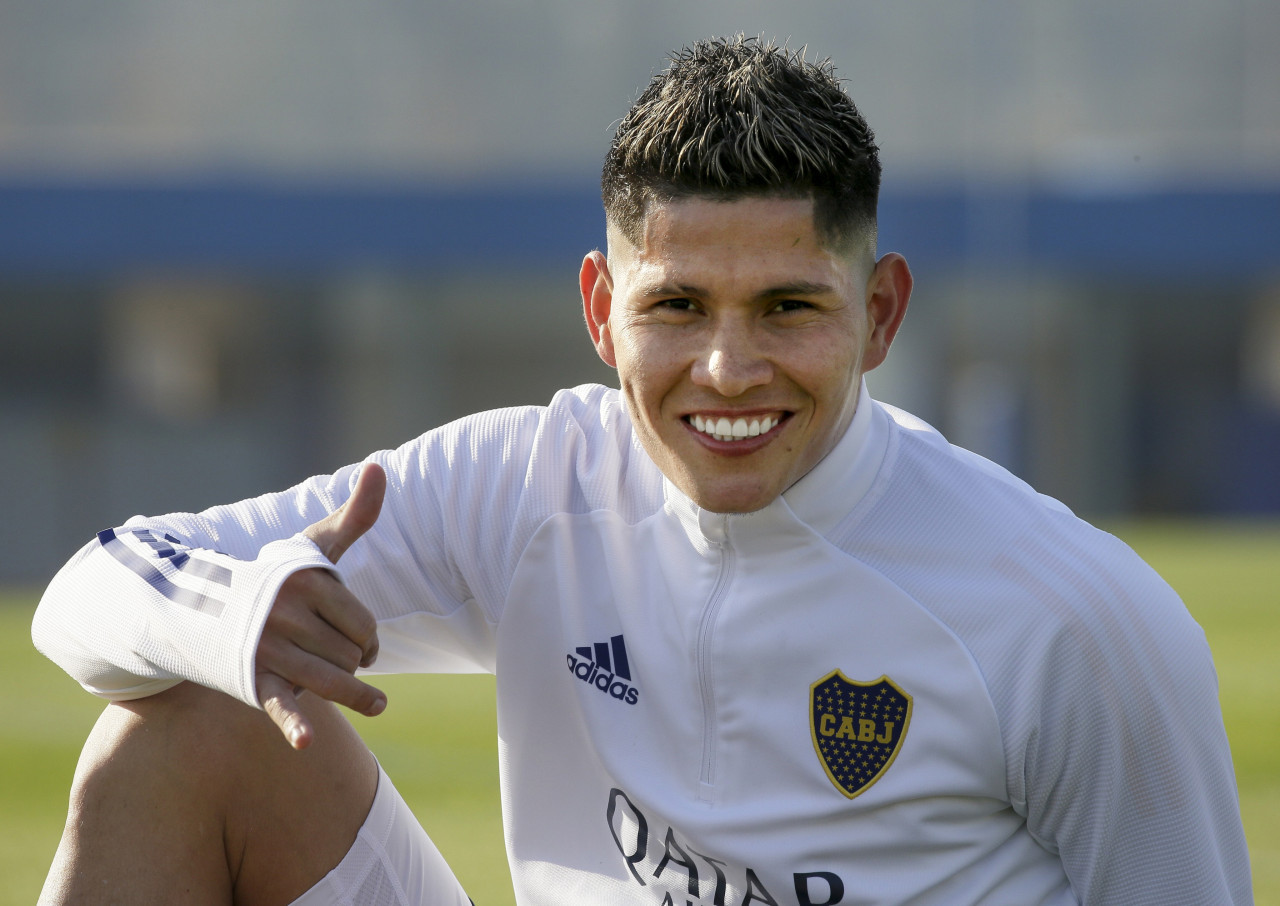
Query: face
[[740, 340]]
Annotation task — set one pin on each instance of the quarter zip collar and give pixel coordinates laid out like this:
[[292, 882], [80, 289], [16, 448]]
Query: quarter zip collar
[[820, 500], [823, 497]]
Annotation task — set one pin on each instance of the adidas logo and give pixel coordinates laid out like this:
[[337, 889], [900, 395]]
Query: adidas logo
[[605, 666]]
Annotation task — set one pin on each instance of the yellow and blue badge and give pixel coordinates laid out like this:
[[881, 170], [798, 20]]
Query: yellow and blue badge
[[857, 728]]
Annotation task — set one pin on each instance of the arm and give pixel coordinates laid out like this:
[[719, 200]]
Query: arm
[[138, 610], [433, 570], [1128, 774]]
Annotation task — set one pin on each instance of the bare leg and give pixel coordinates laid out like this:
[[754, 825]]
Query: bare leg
[[192, 797]]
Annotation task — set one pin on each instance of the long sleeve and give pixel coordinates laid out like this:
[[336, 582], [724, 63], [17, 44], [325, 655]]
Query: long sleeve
[[1126, 769], [185, 596]]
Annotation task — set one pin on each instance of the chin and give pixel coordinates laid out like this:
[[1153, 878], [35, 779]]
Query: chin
[[733, 502]]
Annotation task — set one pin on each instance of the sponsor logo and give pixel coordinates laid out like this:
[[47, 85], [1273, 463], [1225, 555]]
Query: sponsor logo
[[605, 666], [674, 873], [857, 728]]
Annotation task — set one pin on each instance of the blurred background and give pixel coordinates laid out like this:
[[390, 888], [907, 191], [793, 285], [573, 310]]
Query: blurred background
[[249, 241]]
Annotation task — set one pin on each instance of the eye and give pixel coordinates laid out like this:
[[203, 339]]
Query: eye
[[787, 305], [678, 310]]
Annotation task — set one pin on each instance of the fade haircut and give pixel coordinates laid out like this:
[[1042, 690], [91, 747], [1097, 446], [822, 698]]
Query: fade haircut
[[736, 117]]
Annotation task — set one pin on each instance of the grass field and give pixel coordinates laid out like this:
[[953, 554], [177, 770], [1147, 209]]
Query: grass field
[[437, 737]]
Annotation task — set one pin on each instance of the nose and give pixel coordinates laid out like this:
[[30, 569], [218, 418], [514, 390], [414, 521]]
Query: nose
[[732, 363]]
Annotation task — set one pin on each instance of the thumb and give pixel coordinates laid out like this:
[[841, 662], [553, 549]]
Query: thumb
[[340, 529]]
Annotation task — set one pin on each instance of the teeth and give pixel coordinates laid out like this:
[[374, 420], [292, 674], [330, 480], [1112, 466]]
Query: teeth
[[723, 429]]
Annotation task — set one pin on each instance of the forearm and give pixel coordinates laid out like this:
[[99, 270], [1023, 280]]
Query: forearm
[[139, 609]]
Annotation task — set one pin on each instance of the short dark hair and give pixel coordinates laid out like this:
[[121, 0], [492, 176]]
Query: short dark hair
[[735, 117]]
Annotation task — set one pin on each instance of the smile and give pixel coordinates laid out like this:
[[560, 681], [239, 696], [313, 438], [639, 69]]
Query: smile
[[724, 429]]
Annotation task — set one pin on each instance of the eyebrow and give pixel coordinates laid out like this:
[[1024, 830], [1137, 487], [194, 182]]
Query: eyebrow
[[797, 288], [670, 289], [781, 291]]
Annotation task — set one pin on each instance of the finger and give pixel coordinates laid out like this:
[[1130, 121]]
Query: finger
[[289, 660], [328, 644], [312, 601], [317, 613], [281, 704], [331, 683], [345, 613], [341, 528]]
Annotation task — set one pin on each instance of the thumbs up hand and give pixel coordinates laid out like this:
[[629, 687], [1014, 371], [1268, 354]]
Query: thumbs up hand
[[318, 632]]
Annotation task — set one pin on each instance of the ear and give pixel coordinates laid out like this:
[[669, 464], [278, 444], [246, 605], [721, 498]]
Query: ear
[[888, 292], [596, 285]]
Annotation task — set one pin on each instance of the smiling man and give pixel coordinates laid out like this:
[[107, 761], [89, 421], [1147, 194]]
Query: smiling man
[[758, 638], [740, 334]]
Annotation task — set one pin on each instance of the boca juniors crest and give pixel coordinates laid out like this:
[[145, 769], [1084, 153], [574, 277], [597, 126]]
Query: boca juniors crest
[[857, 728]]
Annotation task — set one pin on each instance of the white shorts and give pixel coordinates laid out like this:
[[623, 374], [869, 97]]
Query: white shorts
[[392, 862]]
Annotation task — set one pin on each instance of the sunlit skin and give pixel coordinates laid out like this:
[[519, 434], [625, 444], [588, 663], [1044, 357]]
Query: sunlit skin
[[739, 310]]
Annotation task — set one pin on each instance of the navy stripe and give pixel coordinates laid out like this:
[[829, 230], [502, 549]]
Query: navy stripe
[[164, 550], [1164, 232], [203, 569], [161, 549], [153, 577], [602, 656], [621, 666]]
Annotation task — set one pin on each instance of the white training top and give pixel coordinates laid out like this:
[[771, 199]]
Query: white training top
[[909, 679]]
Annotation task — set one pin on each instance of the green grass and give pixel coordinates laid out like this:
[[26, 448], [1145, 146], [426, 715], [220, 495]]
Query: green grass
[[437, 738]]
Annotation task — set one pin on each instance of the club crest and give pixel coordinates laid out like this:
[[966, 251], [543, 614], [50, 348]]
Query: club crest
[[857, 728]]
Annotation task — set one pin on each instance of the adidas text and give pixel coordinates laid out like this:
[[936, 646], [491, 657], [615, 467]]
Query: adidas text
[[604, 680]]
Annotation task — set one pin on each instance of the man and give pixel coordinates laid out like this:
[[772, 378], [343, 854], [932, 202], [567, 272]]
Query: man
[[758, 638]]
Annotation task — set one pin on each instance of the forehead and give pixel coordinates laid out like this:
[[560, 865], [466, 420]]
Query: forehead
[[772, 236]]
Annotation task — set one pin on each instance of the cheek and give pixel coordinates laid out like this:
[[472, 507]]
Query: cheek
[[646, 365], [826, 369]]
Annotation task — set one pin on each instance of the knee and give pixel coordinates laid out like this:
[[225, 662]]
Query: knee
[[162, 747], [204, 744], [193, 778]]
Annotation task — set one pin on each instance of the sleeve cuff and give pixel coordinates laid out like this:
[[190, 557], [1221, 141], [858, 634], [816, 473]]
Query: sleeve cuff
[[275, 563]]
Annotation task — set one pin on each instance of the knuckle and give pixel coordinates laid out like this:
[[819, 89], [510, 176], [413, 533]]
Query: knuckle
[[366, 626], [306, 582], [348, 658], [295, 585], [276, 708], [330, 685]]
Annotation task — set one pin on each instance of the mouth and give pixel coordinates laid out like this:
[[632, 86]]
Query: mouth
[[736, 429]]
